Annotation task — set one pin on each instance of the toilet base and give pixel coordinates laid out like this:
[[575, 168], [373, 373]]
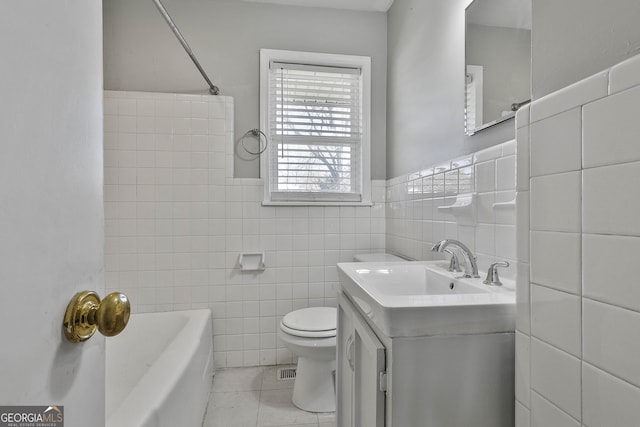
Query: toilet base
[[314, 387]]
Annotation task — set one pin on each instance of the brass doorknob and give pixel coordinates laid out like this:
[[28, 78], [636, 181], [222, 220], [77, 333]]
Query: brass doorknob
[[86, 313]]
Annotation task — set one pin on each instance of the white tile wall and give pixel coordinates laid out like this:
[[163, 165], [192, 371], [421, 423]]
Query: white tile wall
[[522, 156], [522, 415], [414, 222], [584, 319], [523, 298], [558, 144], [556, 318], [611, 285], [555, 260], [612, 339], [555, 202], [523, 368], [177, 220], [575, 95], [556, 376], [546, 414], [602, 116], [624, 75], [608, 401], [611, 199]]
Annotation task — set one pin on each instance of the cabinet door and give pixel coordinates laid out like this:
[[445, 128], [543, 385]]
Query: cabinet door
[[361, 362], [369, 363], [344, 377]]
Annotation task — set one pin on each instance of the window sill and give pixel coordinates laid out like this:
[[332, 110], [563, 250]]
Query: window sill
[[315, 203]]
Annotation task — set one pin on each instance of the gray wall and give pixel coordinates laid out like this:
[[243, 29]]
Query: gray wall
[[425, 110], [505, 54], [573, 39], [141, 53]]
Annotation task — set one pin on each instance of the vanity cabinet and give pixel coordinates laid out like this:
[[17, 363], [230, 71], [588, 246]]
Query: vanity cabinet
[[361, 367], [420, 381]]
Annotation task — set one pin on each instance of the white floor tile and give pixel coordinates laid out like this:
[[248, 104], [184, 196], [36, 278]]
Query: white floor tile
[[254, 397], [276, 409], [238, 379], [232, 409]]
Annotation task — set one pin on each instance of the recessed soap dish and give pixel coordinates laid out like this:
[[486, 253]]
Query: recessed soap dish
[[251, 261], [505, 205], [463, 209]]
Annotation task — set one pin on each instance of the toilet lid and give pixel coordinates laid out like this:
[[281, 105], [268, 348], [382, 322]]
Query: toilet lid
[[312, 321]]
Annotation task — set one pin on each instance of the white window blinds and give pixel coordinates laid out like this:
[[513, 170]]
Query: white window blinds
[[315, 132], [474, 98]]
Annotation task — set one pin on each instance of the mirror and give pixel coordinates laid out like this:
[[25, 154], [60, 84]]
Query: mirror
[[497, 60]]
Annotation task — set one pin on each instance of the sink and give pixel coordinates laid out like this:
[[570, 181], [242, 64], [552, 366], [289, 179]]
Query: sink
[[422, 298], [405, 279]]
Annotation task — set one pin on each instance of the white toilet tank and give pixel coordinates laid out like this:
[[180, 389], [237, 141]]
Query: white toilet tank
[[377, 257]]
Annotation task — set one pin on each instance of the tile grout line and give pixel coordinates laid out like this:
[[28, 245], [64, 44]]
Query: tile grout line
[[262, 372]]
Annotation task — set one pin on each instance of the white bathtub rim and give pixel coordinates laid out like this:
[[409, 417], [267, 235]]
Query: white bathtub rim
[[154, 386]]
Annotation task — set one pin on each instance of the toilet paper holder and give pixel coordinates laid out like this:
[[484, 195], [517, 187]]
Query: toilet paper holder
[[251, 261]]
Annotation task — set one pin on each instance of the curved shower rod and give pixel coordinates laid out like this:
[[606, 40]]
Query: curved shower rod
[[213, 89]]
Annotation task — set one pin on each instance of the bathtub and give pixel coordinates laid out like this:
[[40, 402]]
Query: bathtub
[[159, 370]]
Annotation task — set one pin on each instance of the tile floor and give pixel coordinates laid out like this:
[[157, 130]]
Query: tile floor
[[254, 397]]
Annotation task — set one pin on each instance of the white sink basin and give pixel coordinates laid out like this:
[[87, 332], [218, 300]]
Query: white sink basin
[[422, 298], [406, 279]]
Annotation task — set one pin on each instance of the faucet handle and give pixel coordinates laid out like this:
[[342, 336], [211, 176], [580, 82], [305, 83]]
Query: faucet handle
[[493, 279]]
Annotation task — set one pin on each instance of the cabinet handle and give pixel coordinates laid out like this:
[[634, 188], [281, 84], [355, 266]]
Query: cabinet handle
[[349, 351]]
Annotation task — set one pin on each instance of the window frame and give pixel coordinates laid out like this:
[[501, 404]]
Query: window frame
[[321, 59]]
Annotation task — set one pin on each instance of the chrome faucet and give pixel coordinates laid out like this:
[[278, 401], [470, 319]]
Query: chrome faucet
[[458, 249]]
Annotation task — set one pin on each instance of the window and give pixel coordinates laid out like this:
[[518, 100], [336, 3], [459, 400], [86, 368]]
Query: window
[[474, 98], [314, 109]]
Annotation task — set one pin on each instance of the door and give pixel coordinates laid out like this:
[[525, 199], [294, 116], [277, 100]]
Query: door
[[51, 209], [361, 366]]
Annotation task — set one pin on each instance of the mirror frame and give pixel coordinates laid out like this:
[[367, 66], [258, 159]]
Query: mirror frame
[[489, 124]]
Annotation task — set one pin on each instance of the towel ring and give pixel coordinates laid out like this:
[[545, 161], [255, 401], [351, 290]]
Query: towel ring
[[256, 133]]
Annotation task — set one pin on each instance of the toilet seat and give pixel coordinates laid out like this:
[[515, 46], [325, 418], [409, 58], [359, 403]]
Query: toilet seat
[[312, 322]]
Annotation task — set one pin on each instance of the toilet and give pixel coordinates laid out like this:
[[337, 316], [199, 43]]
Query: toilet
[[310, 334]]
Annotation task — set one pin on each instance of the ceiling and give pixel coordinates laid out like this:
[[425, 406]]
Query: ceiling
[[366, 5]]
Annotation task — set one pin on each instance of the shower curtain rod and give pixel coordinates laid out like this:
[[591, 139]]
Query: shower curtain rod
[[213, 89]]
